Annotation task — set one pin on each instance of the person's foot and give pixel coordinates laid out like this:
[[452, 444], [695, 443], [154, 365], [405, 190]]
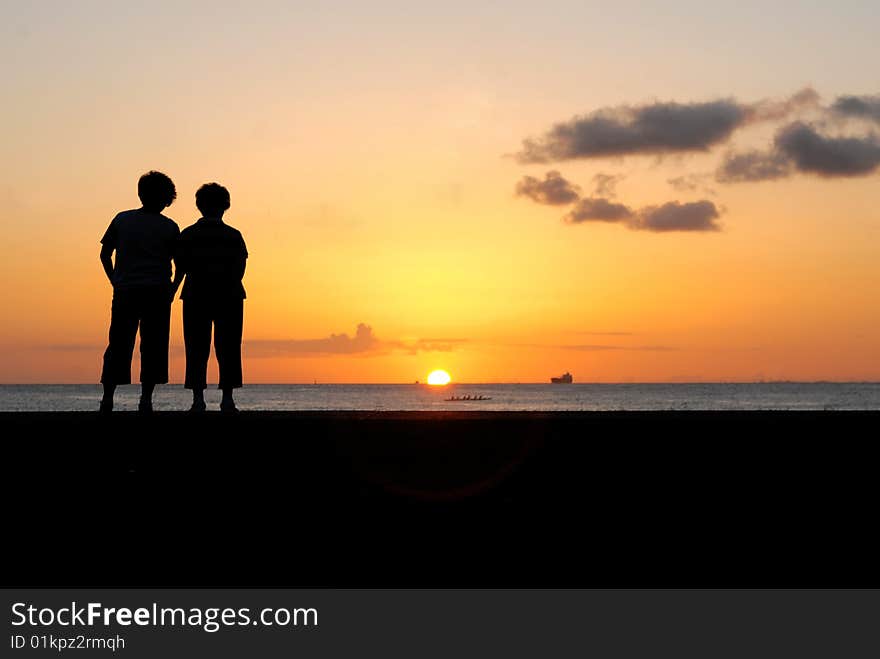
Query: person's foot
[[228, 407], [106, 406], [145, 406], [198, 407]]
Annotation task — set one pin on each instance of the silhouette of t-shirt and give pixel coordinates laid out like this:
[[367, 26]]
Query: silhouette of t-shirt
[[212, 254], [145, 243]]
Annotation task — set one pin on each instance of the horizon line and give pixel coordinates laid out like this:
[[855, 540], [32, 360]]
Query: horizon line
[[425, 384]]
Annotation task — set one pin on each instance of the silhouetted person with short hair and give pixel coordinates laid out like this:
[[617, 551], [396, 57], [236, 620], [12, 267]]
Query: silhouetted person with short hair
[[144, 241], [212, 256]]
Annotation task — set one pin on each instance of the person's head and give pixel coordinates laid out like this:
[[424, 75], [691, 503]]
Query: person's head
[[212, 200], [156, 191]]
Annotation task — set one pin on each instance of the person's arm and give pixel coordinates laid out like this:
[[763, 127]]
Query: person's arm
[[108, 245], [107, 261], [242, 258], [242, 262], [179, 259]]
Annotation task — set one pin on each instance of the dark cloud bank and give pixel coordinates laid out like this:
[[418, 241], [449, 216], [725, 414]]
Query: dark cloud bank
[[752, 166], [598, 209], [801, 147], [671, 216], [860, 107], [655, 128], [669, 127]]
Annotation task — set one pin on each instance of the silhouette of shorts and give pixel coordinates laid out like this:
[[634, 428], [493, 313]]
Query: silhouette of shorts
[[148, 309], [226, 316]]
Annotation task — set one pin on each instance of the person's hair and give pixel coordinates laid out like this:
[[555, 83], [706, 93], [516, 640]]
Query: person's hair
[[156, 190], [212, 199]]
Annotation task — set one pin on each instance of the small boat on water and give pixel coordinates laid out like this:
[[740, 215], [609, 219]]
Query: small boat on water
[[467, 398], [565, 378]]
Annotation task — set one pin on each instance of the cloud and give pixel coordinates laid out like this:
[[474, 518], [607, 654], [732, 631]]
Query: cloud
[[775, 110], [596, 347], [426, 345], [364, 342], [814, 153], [601, 347], [800, 147], [656, 128], [859, 107], [691, 183], [594, 333], [671, 216], [647, 129], [554, 190], [590, 209], [337, 344], [676, 216], [752, 166], [687, 183], [605, 185]]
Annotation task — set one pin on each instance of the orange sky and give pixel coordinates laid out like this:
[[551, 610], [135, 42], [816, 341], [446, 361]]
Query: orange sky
[[372, 174]]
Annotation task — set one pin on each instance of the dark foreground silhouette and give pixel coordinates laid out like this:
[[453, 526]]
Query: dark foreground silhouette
[[211, 256], [451, 498], [144, 242]]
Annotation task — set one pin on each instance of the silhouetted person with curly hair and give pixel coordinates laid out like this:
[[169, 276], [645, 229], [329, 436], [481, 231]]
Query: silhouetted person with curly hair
[[211, 256], [144, 241]]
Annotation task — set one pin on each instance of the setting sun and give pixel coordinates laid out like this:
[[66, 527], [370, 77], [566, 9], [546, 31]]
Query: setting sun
[[438, 377]]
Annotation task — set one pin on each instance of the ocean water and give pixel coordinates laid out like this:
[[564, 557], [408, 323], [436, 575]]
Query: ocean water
[[547, 397]]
